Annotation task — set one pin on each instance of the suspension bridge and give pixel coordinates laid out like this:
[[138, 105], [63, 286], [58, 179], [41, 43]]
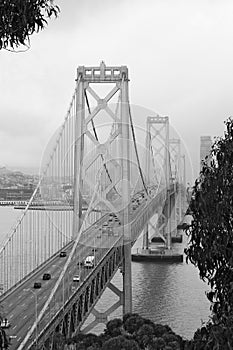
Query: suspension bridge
[[99, 189]]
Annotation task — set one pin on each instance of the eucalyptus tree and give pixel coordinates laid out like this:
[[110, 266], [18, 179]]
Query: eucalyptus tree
[[211, 232], [19, 19]]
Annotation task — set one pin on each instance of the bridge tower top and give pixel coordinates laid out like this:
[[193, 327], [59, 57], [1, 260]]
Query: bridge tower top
[[102, 74]]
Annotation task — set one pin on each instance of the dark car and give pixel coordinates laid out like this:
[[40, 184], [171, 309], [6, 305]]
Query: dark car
[[37, 285], [62, 254], [46, 276]]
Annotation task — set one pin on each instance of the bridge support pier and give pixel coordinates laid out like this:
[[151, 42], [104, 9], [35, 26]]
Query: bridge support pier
[[146, 237], [127, 280], [175, 151]]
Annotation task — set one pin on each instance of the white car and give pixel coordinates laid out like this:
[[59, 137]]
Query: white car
[[89, 261], [5, 323], [76, 278]]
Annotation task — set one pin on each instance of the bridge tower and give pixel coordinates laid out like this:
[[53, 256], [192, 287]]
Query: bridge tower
[[176, 173], [166, 160], [157, 145], [118, 77], [184, 196]]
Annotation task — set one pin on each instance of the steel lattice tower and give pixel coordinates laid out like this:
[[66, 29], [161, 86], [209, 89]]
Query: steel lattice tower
[[119, 77]]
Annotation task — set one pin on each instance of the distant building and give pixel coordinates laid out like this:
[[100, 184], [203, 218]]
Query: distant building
[[205, 147], [14, 193]]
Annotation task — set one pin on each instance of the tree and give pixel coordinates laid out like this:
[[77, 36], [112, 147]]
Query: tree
[[89, 340], [133, 323], [211, 336], [21, 18], [120, 343], [211, 232], [113, 327], [145, 335]]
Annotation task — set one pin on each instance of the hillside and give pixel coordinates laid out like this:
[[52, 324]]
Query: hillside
[[16, 179]]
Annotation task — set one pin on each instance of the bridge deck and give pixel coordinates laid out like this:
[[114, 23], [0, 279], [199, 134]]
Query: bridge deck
[[75, 299]]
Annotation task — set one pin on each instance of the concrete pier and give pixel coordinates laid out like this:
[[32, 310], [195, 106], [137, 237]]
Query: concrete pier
[[157, 254]]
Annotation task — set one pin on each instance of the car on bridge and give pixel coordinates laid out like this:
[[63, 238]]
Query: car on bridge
[[76, 278], [89, 261], [37, 285], [62, 254], [46, 276]]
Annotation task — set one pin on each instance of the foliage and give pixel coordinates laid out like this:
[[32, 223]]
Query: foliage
[[145, 335], [21, 18], [113, 327], [133, 323], [211, 239], [133, 333], [127, 315], [211, 337], [89, 340], [150, 336], [160, 330], [120, 343]]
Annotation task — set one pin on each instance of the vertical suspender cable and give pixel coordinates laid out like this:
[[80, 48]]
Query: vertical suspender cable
[[136, 151]]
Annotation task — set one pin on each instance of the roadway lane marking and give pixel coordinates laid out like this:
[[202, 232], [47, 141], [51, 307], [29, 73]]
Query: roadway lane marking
[[10, 304], [14, 327], [25, 316], [11, 315]]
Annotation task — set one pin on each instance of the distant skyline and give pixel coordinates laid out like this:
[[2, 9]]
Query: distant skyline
[[25, 170], [179, 55]]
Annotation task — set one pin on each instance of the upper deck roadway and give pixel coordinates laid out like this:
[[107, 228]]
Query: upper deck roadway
[[22, 304]]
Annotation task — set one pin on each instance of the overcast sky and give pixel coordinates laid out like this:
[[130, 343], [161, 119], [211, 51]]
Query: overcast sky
[[179, 55]]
